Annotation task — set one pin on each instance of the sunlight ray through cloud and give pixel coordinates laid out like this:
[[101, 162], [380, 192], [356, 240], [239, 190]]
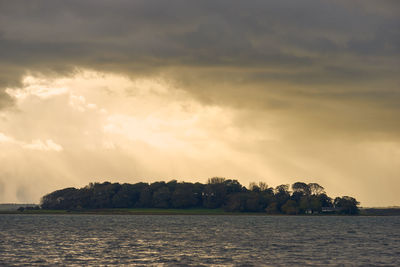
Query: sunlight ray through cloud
[[37, 144]]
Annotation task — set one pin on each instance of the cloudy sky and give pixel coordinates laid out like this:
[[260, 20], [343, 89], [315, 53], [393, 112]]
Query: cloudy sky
[[129, 91]]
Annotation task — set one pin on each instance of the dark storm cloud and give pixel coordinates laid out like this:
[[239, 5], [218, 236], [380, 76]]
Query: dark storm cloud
[[282, 89], [262, 53]]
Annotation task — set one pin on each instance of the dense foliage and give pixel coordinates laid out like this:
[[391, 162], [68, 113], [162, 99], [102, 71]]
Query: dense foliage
[[217, 193]]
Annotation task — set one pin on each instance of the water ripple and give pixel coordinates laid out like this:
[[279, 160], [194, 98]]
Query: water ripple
[[76, 240]]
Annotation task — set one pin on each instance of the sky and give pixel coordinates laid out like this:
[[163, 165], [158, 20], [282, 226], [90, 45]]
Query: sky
[[130, 91]]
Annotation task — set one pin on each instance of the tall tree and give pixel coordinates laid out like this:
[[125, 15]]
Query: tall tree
[[301, 187], [316, 189], [347, 205]]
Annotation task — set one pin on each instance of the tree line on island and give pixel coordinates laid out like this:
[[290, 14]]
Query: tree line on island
[[223, 193]]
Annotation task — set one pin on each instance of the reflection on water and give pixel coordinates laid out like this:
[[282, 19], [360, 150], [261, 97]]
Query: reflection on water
[[198, 240]]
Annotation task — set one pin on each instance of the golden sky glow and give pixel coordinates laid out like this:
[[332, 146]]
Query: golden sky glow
[[271, 91]]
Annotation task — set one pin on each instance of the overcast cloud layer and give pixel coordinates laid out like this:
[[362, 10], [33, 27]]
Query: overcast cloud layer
[[278, 91]]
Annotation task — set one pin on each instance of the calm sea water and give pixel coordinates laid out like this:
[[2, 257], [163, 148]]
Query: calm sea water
[[198, 240]]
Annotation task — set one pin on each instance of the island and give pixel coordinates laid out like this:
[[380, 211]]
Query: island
[[217, 196]]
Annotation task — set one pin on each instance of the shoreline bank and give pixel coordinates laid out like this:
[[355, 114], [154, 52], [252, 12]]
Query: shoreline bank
[[363, 212]]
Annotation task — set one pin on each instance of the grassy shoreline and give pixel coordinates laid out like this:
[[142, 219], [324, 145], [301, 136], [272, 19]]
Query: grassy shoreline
[[152, 211], [135, 212]]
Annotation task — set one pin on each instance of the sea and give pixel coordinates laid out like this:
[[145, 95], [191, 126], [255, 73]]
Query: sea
[[198, 240]]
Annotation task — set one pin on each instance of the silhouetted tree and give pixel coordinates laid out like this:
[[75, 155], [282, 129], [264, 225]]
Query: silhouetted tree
[[254, 202], [236, 202], [216, 180], [233, 186], [254, 187], [127, 196], [186, 195], [301, 187], [346, 205], [272, 208], [145, 199], [290, 207], [214, 194], [325, 200], [162, 198], [172, 185], [282, 195], [60, 199], [316, 189], [102, 194]]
